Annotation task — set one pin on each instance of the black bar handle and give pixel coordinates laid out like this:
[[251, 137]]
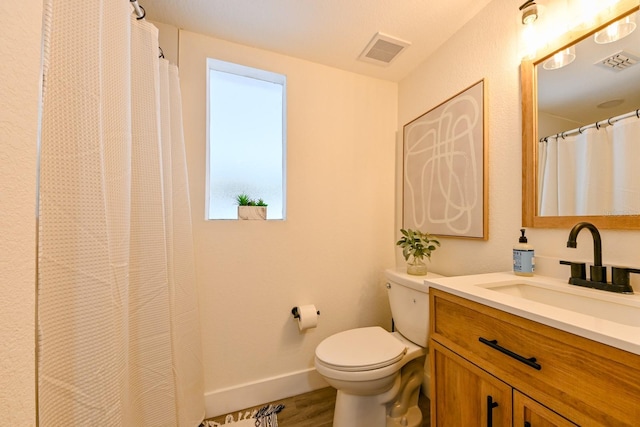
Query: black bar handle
[[578, 269], [490, 405], [531, 361], [527, 424]]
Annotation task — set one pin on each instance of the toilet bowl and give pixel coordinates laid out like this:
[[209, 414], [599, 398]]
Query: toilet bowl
[[378, 374]]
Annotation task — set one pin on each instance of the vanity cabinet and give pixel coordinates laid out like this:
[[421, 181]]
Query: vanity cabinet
[[527, 412], [538, 375], [467, 395]]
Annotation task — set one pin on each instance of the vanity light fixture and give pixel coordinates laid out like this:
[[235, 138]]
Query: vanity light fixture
[[616, 31], [529, 12], [560, 59]]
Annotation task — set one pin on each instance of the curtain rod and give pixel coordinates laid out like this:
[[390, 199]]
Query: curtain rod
[[139, 10], [596, 125]]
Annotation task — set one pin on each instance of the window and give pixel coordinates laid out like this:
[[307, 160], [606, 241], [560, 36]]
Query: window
[[246, 133]]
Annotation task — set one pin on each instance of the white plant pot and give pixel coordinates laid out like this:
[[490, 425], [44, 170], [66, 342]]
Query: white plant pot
[[252, 212]]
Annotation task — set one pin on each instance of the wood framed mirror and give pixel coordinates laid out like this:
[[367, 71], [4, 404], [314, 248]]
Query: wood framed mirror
[[531, 216]]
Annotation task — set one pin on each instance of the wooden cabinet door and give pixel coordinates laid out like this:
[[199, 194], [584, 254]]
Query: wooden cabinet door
[[529, 413], [465, 395]]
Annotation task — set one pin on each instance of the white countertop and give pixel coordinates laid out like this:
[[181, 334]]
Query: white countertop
[[613, 333]]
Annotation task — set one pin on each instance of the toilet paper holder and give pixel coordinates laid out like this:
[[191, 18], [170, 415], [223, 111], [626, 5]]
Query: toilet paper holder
[[296, 313]]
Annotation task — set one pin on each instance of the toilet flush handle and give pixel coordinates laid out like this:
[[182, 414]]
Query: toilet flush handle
[[388, 285]]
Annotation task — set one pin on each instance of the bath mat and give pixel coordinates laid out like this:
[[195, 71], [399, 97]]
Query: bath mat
[[267, 416]]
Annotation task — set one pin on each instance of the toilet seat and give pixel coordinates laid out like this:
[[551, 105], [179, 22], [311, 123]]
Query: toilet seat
[[361, 349]]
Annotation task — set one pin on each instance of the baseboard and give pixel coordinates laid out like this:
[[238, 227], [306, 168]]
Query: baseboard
[[228, 400]]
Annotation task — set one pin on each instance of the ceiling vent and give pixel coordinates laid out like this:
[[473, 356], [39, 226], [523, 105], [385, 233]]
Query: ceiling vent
[[382, 49], [618, 61]]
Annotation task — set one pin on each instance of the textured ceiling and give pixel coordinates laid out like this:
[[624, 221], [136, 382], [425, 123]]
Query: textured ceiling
[[330, 32]]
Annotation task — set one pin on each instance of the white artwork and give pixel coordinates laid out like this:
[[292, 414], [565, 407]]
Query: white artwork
[[444, 184]]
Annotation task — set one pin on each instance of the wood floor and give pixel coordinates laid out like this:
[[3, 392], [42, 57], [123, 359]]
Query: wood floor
[[315, 409]]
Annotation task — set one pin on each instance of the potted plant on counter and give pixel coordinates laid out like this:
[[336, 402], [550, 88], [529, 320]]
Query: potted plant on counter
[[249, 208], [415, 246]]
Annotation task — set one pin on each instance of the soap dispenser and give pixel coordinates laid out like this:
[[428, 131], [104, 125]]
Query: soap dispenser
[[523, 257]]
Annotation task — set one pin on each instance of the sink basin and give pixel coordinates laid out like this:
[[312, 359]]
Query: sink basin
[[615, 308]]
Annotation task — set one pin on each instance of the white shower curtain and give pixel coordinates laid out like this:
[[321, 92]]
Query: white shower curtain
[[591, 173], [626, 176], [118, 332]]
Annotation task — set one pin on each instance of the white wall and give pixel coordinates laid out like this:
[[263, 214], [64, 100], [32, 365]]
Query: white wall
[[20, 33], [168, 40], [331, 250], [487, 47], [549, 124]]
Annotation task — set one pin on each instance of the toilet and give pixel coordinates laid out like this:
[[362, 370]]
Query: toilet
[[379, 374]]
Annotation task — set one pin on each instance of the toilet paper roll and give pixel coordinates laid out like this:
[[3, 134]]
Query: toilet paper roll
[[308, 317]]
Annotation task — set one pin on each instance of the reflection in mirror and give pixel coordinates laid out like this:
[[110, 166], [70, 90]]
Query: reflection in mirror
[[581, 128], [588, 127]]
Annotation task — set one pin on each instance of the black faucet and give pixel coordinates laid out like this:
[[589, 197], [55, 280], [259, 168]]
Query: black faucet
[[598, 279], [598, 272]]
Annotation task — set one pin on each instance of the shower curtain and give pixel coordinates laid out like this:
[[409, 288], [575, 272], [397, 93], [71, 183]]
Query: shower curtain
[[591, 173], [118, 332]]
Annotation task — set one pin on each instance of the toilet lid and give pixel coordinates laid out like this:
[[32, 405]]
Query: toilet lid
[[360, 349]]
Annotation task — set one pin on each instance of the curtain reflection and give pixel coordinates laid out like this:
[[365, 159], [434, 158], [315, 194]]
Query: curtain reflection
[[591, 173]]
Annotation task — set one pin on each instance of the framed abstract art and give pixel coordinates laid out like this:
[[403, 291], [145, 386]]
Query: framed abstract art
[[445, 168]]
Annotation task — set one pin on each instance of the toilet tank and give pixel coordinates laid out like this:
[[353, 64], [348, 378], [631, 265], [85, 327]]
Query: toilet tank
[[409, 301]]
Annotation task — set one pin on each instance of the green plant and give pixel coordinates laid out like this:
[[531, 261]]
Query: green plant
[[416, 244], [244, 200]]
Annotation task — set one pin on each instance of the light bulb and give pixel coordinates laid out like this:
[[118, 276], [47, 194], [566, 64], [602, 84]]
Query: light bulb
[[616, 30]]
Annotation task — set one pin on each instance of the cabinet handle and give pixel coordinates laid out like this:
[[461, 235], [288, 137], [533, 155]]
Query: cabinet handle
[[490, 405], [531, 361], [527, 424]]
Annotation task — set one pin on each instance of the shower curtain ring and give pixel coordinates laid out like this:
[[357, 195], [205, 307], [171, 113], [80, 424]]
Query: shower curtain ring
[[580, 130], [144, 13], [638, 113], [609, 121], [597, 126]]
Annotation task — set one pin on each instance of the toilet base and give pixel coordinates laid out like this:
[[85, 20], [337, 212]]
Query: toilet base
[[358, 411], [404, 410], [365, 411], [412, 418], [398, 407], [355, 410]]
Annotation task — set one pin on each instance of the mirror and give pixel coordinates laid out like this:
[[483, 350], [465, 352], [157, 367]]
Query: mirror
[[539, 103]]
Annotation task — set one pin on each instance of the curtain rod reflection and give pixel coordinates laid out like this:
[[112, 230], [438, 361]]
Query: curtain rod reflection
[[596, 125]]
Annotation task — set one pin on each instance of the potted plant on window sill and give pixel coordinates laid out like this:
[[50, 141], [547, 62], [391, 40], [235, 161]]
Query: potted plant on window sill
[[249, 208], [417, 245]]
